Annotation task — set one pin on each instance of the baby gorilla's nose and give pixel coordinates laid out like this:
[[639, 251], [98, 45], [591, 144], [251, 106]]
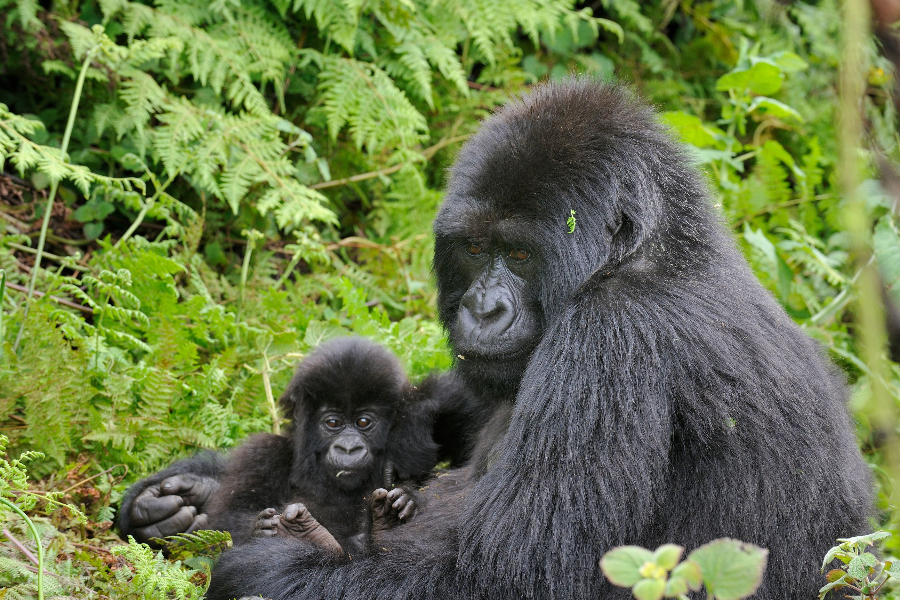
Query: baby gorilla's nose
[[352, 450]]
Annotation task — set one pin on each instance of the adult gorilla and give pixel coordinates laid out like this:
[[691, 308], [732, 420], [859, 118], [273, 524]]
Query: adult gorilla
[[660, 394]]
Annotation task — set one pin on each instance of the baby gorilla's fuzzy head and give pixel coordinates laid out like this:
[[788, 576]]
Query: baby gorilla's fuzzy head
[[343, 400]]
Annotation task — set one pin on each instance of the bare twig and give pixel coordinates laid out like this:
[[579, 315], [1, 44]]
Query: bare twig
[[63, 301], [20, 546], [427, 153]]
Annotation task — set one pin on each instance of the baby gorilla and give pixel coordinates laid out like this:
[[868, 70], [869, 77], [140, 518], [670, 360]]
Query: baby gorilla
[[357, 424]]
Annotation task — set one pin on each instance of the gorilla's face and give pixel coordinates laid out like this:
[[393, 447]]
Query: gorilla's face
[[495, 320], [350, 443]]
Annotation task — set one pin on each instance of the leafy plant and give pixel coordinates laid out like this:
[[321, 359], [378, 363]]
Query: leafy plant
[[861, 571], [728, 569]]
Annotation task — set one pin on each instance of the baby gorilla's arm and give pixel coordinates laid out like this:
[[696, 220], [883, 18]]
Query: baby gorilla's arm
[[295, 522], [391, 508]]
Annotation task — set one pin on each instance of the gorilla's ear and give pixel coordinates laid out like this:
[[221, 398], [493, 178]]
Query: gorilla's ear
[[625, 239], [295, 397]]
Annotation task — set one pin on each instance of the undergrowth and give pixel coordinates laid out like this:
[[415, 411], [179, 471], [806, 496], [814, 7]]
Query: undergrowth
[[242, 181]]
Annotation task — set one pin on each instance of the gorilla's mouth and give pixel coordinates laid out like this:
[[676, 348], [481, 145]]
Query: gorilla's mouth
[[494, 356]]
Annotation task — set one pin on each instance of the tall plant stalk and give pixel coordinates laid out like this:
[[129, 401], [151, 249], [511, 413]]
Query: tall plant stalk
[[37, 542], [70, 124], [2, 296], [882, 411]]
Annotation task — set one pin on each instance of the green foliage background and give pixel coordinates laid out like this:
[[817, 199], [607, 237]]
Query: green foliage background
[[247, 178]]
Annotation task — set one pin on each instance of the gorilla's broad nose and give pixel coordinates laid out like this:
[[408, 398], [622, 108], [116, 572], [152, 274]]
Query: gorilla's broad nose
[[490, 308], [350, 449]]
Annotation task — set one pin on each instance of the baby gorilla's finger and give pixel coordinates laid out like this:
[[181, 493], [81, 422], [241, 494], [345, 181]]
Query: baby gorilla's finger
[[292, 511], [267, 513], [149, 507], [201, 521], [177, 523], [379, 494], [408, 511], [394, 494]]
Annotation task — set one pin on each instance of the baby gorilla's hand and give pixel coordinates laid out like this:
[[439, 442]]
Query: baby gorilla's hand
[[391, 508], [298, 523], [266, 523]]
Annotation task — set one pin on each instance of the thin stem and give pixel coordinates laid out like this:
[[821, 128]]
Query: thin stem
[[245, 268], [2, 295], [287, 272], [70, 124], [147, 206], [270, 398], [37, 541]]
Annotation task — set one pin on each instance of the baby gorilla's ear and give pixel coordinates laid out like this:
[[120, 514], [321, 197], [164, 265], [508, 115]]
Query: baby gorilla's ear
[[294, 398]]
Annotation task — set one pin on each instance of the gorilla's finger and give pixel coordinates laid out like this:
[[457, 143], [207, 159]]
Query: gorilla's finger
[[267, 513], [408, 511], [394, 494], [265, 532], [178, 484], [201, 521], [149, 508], [379, 494], [266, 523], [194, 489], [291, 511], [178, 523], [400, 502]]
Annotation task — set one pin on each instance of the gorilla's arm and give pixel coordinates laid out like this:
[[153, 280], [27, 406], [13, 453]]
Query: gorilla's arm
[[173, 500], [586, 453], [258, 474], [458, 415]]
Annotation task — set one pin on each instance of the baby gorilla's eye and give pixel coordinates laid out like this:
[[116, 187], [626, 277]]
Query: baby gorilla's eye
[[364, 422], [519, 254], [333, 423], [474, 249]]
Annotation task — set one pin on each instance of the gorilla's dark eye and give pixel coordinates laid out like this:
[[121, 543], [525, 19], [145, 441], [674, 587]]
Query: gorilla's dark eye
[[519, 254], [474, 249], [333, 423], [364, 422]]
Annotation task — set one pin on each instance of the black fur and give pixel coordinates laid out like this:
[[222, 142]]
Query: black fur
[[343, 375], [668, 399]]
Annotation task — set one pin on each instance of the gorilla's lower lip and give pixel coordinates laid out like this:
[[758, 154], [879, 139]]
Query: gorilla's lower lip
[[483, 355]]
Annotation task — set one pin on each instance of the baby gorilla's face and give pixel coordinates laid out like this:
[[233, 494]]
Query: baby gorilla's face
[[354, 443]]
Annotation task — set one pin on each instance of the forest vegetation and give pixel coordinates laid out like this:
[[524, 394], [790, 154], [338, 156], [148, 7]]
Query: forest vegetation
[[195, 194]]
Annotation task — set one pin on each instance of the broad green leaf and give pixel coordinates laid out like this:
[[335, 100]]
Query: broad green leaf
[[788, 62], [762, 78], [731, 569], [692, 130], [861, 541], [649, 589], [774, 107], [622, 565], [667, 556], [676, 586], [859, 565], [886, 241], [690, 573]]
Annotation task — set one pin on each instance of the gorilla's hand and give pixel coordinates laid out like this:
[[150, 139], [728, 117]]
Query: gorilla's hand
[[391, 508], [174, 505], [266, 523]]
